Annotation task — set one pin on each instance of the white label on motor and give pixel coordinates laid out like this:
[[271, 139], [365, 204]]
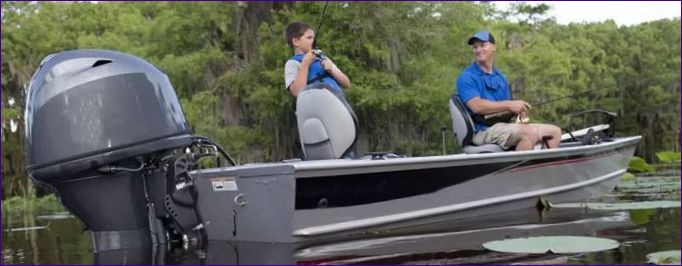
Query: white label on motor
[[224, 183]]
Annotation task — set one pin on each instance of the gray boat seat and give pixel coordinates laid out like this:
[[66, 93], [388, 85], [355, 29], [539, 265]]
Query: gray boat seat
[[463, 128], [327, 126]]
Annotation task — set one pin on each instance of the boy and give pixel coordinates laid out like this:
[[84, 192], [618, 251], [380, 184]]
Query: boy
[[304, 67]]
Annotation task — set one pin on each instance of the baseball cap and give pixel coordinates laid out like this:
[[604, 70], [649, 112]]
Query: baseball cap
[[483, 36]]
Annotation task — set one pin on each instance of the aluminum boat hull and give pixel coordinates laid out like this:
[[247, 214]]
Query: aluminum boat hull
[[326, 199]]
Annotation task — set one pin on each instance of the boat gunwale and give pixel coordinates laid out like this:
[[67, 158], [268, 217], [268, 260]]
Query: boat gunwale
[[311, 169]]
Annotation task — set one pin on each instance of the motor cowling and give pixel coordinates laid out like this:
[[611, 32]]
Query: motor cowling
[[93, 107], [94, 121]]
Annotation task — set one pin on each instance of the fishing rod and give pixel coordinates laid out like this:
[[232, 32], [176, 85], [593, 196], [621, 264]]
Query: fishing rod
[[319, 26], [561, 98], [506, 116]]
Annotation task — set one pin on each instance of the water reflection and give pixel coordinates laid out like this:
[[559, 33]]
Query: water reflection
[[61, 241], [453, 240], [640, 232], [660, 231]]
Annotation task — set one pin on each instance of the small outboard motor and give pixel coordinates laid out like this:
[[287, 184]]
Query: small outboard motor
[[327, 125], [105, 129]]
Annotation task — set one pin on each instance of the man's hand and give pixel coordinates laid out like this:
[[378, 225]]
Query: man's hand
[[518, 106]]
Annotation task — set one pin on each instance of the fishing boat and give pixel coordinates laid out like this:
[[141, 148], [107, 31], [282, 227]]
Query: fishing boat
[[105, 129]]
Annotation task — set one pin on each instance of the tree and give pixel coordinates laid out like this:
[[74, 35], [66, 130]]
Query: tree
[[226, 63]]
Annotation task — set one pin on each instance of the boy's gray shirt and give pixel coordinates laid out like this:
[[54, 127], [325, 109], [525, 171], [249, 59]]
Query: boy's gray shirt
[[290, 72]]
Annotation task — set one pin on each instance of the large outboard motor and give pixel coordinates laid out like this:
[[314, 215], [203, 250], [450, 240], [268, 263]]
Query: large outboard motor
[[327, 126], [106, 130]]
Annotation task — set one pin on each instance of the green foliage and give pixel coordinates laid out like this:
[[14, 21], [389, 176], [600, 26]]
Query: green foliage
[[628, 177], [668, 156], [30, 205], [638, 165], [10, 112], [641, 216], [226, 60]]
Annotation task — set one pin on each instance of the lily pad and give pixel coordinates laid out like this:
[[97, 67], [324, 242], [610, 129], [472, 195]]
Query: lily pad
[[670, 257], [552, 244], [621, 206], [628, 176]]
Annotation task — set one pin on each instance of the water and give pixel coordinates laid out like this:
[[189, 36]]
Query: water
[[59, 238]]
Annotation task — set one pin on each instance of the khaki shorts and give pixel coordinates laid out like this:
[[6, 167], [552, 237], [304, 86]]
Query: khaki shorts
[[500, 134]]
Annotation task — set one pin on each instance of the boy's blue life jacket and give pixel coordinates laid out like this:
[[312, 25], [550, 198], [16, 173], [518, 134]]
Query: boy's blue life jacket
[[316, 73]]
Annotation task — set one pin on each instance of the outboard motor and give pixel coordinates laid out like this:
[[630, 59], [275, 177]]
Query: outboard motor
[[105, 129], [327, 126]]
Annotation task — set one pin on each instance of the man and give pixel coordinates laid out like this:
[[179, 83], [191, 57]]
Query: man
[[485, 90]]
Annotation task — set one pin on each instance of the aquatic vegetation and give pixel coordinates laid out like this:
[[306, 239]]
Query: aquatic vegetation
[[647, 188], [668, 156], [628, 177], [552, 244], [620, 206], [638, 165], [642, 216]]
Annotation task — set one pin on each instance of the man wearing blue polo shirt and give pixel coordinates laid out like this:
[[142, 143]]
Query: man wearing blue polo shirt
[[485, 90]]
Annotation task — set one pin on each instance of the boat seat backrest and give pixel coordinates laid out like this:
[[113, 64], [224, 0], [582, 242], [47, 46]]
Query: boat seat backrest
[[462, 125], [327, 126], [463, 129]]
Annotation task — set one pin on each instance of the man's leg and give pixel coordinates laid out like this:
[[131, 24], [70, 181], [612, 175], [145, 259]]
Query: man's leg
[[499, 134], [523, 136], [527, 136], [507, 135], [551, 131]]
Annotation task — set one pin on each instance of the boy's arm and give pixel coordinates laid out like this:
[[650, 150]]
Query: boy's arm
[[343, 80], [301, 79], [338, 75]]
